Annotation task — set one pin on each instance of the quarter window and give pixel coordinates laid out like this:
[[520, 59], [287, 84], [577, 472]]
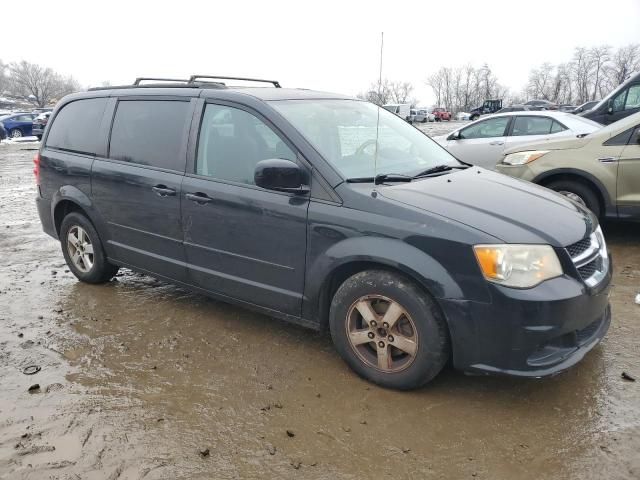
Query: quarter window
[[150, 132], [76, 127], [232, 141], [490, 128]]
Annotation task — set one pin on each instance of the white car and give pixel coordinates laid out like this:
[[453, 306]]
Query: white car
[[483, 142], [463, 116], [421, 115]]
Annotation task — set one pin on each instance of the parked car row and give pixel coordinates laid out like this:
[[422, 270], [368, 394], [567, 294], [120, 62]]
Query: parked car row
[[24, 124]]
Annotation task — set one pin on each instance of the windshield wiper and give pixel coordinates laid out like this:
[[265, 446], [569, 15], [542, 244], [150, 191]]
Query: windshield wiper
[[381, 178], [438, 169]]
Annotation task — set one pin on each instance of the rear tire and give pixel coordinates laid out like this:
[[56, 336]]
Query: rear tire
[[15, 133], [83, 251], [579, 193], [402, 350]]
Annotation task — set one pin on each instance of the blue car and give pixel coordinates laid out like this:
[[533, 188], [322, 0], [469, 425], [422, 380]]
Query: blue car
[[18, 124]]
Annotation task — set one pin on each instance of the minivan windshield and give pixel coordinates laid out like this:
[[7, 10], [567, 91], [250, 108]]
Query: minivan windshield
[[344, 132]]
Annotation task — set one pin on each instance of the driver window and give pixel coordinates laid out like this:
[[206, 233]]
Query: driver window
[[633, 98], [493, 127], [233, 141], [618, 102]]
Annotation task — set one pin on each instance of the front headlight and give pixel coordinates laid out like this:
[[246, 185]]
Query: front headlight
[[519, 266], [521, 158]]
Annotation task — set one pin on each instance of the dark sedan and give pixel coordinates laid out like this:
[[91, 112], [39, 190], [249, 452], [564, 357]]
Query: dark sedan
[[39, 123]]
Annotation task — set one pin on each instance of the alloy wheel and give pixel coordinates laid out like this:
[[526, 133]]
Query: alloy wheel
[[15, 133], [80, 248], [382, 333]]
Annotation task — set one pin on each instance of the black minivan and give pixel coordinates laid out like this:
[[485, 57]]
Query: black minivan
[[329, 212]]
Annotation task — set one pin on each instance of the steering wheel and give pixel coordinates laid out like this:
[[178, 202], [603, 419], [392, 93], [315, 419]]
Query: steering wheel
[[364, 146]]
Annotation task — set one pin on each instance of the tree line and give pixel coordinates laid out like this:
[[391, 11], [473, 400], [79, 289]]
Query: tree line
[[35, 83], [590, 75]]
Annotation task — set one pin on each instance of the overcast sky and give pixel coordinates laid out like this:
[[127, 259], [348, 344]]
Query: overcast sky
[[325, 45]]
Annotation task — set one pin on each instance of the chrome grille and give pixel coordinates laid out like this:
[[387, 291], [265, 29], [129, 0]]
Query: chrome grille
[[590, 257], [579, 247]]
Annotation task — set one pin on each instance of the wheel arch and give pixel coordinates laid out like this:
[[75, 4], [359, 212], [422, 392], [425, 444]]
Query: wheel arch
[[382, 254], [71, 199], [585, 178]]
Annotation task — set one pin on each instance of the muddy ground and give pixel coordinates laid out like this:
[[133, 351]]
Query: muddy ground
[[140, 379]]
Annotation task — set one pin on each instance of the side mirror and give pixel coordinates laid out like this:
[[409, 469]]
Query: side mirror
[[610, 106], [280, 175], [454, 136]]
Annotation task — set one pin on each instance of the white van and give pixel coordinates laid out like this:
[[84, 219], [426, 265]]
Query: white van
[[403, 110]]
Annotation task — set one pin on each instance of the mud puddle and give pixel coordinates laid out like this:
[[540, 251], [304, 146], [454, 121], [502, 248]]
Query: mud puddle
[[140, 379]]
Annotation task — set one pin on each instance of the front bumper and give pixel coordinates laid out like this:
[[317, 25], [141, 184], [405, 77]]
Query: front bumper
[[529, 333]]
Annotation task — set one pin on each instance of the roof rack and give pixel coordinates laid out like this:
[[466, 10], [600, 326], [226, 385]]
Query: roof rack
[[192, 82], [139, 80], [275, 83]]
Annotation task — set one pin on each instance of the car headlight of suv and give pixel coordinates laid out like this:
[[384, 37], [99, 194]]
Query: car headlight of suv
[[518, 266], [521, 158]]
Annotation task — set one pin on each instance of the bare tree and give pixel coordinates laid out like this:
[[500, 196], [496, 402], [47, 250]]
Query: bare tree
[[624, 61], [389, 91], [464, 88], [39, 83], [599, 56], [4, 79]]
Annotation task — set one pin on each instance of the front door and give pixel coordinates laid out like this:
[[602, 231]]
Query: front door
[[482, 143], [242, 241], [137, 187], [626, 103], [629, 178]]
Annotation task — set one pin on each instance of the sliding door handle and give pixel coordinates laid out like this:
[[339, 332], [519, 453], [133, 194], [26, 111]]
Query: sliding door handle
[[163, 190], [199, 197]]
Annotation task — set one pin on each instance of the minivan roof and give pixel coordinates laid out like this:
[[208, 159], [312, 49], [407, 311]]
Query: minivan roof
[[261, 93]]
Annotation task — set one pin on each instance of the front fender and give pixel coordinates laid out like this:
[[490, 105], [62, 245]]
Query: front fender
[[386, 252]]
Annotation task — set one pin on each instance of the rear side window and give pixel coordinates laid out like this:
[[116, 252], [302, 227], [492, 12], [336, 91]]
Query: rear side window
[[76, 127], [529, 125], [149, 132]]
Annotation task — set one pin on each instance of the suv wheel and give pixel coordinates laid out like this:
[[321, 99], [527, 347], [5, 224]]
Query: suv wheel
[[388, 330], [16, 133], [82, 250], [579, 193], [474, 117]]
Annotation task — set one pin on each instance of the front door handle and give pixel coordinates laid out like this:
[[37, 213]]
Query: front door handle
[[199, 197], [497, 142], [607, 159], [163, 190]]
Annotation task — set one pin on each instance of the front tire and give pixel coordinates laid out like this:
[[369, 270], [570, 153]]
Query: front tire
[[388, 330], [579, 193], [83, 251]]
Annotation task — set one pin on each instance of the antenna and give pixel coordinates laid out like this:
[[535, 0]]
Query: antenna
[[375, 157]]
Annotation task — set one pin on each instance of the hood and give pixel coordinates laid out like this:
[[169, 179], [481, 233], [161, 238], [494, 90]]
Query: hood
[[512, 210], [555, 144]]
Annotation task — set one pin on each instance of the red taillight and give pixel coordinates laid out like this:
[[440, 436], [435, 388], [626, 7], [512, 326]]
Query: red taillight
[[36, 168]]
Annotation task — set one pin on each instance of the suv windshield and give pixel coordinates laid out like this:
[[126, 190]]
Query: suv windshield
[[344, 132]]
